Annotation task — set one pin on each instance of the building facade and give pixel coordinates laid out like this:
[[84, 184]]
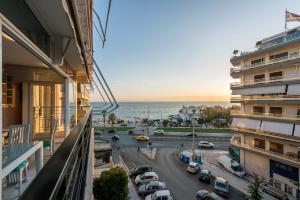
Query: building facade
[[186, 113], [47, 68], [267, 125]]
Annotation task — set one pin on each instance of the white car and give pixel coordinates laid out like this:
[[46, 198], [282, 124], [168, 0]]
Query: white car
[[205, 144], [221, 186], [193, 167], [146, 178], [231, 165], [159, 195], [158, 132]]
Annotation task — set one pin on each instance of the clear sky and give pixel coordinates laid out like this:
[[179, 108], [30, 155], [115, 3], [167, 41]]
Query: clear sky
[[179, 50]]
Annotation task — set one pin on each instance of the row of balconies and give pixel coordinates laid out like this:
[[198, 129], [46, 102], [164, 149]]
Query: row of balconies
[[265, 115], [264, 81], [286, 156], [265, 61], [285, 98]]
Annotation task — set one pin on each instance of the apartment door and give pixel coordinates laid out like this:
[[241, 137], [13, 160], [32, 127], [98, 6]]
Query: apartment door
[[42, 108]]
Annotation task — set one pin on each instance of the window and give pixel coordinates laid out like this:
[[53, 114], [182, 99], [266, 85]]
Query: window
[[279, 56], [259, 143], [8, 92], [257, 61], [258, 109], [259, 78], [275, 75], [276, 110], [276, 147]]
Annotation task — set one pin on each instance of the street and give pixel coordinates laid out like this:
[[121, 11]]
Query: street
[[183, 185]]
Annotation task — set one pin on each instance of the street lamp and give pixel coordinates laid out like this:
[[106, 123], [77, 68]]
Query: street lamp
[[193, 141]]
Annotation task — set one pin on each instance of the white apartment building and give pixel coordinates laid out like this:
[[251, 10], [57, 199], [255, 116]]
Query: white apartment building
[[187, 112], [268, 123]]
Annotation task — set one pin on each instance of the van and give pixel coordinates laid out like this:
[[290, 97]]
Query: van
[[231, 165]]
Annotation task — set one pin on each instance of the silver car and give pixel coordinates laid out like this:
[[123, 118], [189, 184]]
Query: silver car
[[151, 187]]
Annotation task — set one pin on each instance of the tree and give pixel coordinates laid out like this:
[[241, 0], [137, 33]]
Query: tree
[[165, 122], [111, 185], [104, 120], [253, 189], [112, 118]]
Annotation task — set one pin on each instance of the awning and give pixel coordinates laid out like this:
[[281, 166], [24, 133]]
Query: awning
[[294, 89], [297, 131], [279, 89], [245, 123], [277, 127]]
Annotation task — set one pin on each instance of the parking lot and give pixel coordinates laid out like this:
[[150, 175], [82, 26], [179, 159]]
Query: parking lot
[[182, 184]]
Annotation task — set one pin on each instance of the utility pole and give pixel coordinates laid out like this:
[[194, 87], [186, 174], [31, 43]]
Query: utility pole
[[193, 141], [148, 123]]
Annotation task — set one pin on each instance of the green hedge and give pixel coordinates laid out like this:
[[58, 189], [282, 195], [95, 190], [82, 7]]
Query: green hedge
[[119, 128], [198, 130]]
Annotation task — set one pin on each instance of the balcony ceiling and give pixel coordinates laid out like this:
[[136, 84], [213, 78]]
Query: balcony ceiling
[[15, 54], [54, 16]]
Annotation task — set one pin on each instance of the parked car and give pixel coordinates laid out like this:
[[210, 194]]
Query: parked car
[[271, 190], [115, 137], [140, 170], [146, 178], [193, 167], [130, 132], [160, 195], [158, 132], [204, 175], [191, 134], [205, 195], [231, 165], [142, 138], [205, 144], [151, 187], [221, 186]]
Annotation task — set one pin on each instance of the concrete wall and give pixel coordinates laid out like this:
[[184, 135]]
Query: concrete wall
[[256, 164]]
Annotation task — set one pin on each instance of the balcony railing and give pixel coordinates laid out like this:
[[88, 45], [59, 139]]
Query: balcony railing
[[291, 56], [264, 81], [265, 115], [64, 175], [264, 98], [289, 156]]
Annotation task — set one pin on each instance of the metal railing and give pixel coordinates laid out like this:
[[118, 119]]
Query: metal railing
[[264, 81], [263, 98], [64, 175]]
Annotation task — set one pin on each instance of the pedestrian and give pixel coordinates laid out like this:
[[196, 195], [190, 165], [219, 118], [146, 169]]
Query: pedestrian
[[138, 149]]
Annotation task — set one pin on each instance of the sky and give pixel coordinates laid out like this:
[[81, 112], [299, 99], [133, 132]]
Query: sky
[[180, 50]]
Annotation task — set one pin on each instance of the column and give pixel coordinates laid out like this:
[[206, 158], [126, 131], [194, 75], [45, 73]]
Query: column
[[1, 107], [67, 108]]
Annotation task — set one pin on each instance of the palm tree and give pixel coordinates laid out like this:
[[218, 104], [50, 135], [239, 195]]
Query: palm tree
[[253, 189], [112, 118]]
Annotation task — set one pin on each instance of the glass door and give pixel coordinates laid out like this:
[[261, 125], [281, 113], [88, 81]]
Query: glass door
[[42, 109]]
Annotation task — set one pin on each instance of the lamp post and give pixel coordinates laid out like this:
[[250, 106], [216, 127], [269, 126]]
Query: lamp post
[[193, 141]]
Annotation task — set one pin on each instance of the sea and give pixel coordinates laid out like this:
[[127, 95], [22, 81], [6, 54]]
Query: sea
[[157, 110]]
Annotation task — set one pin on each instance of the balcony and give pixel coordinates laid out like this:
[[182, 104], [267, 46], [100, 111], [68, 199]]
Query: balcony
[[266, 99], [289, 157], [235, 71], [269, 116]]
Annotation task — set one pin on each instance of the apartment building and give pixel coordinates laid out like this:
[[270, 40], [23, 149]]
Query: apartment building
[[46, 61], [267, 142]]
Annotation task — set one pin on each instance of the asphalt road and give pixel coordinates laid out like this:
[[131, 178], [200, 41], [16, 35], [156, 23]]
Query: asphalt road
[[170, 169], [220, 142]]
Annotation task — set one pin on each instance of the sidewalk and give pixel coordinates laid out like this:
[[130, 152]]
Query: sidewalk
[[237, 183], [132, 194]]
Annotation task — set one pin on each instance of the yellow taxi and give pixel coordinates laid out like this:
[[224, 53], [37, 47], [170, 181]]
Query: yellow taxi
[[142, 138]]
